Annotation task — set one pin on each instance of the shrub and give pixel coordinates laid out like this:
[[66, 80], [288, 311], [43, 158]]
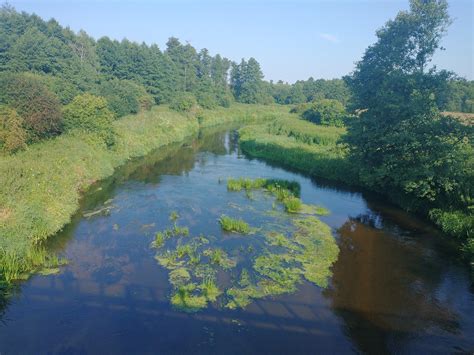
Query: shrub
[[184, 102], [12, 134], [325, 112], [145, 101], [125, 97], [64, 89], [300, 108], [31, 99], [89, 113], [206, 100], [224, 99]]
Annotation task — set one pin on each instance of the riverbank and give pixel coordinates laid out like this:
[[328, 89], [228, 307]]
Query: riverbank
[[314, 150], [41, 187]]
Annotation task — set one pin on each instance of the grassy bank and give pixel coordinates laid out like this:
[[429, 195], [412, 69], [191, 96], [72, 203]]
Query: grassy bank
[[240, 113], [300, 145], [41, 187], [314, 150]]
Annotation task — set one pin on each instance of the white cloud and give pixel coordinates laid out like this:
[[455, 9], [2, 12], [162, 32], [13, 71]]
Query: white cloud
[[329, 37]]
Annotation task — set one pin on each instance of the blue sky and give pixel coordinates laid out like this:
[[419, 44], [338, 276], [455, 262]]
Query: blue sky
[[291, 39]]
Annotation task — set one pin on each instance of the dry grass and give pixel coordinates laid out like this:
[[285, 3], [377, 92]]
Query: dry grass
[[463, 117]]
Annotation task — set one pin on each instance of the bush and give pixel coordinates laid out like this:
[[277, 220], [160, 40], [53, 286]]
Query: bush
[[31, 99], [206, 100], [184, 102], [145, 101], [325, 112], [64, 89], [90, 113], [125, 97], [454, 223], [224, 99], [300, 108], [12, 134]]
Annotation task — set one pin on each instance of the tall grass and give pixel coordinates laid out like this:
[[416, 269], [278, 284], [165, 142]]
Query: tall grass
[[300, 145], [242, 113], [230, 224]]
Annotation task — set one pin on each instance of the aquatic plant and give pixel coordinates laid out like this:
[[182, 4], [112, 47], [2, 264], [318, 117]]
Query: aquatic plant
[[210, 289], [245, 183], [292, 204], [169, 260], [184, 300], [174, 216], [159, 240], [179, 276], [313, 209], [184, 250], [230, 224], [14, 266], [244, 278], [303, 250], [219, 257]]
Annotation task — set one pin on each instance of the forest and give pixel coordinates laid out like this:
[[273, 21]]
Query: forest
[[386, 126]]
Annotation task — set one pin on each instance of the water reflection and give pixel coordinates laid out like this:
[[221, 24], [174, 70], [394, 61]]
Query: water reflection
[[395, 288], [390, 290]]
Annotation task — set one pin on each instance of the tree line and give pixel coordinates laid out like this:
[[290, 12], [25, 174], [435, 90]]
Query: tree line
[[44, 66]]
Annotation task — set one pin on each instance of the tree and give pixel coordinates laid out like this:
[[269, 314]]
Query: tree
[[325, 112], [124, 97], [401, 142], [247, 82], [186, 61], [39, 108]]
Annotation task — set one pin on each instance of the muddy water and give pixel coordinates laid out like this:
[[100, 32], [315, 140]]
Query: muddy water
[[395, 287]]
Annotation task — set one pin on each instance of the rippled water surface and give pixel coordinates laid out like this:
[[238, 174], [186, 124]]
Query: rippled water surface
[[394, 288]]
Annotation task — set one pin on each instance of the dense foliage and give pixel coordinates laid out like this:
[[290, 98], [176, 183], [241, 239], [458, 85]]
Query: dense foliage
[[247, 83], [310, 90], [90, 114], [460, 96], [183, 103], [39, 108], [12, 133], [125, 97], [402, 143], [325, 112]]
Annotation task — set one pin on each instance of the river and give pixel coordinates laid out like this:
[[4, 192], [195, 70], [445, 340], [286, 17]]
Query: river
[[395, 288]]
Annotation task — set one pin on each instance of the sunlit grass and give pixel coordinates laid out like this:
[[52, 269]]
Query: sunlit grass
[[230, 224]]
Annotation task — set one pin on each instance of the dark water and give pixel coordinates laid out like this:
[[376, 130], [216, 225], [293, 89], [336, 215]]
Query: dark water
[[395, 287]]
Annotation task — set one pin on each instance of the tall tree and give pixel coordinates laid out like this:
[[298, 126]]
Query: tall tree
[[402, 143], [247, 82]]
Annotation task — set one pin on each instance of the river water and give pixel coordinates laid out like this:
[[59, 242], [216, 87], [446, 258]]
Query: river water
[[395, 287]]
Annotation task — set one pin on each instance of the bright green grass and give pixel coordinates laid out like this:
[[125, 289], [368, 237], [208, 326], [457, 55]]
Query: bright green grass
[[230, 224], [327, 160], [242, 113]]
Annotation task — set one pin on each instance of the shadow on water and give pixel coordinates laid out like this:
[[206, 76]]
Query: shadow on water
[[395, 286]]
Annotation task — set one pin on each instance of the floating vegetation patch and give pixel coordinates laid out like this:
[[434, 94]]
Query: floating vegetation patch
[[274, 260], [230, 224]]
